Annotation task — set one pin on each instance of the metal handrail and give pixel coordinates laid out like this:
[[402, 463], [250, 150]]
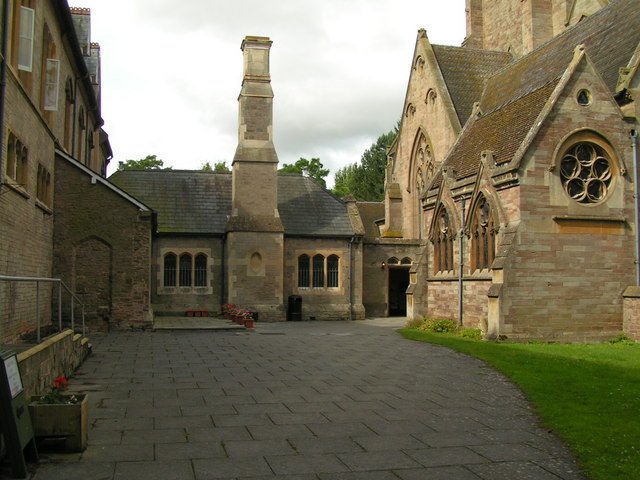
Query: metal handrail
[[61, 285]]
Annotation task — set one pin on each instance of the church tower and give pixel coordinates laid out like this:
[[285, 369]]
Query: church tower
[[255, 235]]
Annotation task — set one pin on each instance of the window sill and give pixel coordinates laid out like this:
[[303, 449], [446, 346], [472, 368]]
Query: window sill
[[44, 207], [19, 189]]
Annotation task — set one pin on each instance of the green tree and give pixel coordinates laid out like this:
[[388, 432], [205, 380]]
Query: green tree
[[309, 168], [150, 162], [218, 167], [365, 180]]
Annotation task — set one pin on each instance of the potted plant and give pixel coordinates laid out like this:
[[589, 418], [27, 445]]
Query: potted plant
[[227, 311], [248, 319], [60, 415]]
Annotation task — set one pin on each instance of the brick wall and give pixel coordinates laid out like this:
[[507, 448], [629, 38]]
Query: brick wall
[[119, 279], [571, 262]]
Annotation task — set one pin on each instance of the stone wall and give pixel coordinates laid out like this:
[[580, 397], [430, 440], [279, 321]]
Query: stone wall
[[570, 262], [376, 278], [105, 261], [336, 303], [59, 355], [178, 299]]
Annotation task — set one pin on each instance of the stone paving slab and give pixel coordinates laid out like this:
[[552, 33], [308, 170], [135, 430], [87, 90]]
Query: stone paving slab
[[301, 401]]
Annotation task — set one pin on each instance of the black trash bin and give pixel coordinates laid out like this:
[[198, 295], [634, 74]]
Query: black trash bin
[[294, 310]]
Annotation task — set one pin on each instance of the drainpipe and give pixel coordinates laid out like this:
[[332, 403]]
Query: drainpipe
[[634, 145], [461, 270], [222, 270], [351, 278], [3, 74]]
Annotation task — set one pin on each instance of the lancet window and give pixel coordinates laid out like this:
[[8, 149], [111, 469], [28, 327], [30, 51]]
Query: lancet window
[[483, 235], [443, 243]]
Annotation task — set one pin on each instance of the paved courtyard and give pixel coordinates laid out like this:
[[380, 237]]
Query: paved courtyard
[[301, 401]]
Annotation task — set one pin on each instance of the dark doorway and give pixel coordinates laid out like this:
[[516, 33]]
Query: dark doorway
[[398, 283]]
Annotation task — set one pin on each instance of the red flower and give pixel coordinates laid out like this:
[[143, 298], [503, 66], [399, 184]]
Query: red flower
[[60, 383]]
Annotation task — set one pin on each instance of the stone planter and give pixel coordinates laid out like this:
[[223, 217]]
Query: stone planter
[[66, 422]]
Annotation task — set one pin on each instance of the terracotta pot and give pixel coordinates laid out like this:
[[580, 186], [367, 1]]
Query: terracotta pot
[[249, 323]]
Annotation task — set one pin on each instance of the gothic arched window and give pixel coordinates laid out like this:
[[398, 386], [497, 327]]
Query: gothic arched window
[[333, 277], [443, 243], [483, 235], [185, 270], [170, 270], [318, 271], [201, 270], [422, 162], [303, 271]]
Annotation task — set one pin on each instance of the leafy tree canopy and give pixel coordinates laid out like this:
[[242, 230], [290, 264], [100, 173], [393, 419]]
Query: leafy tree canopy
[[309, 168], [365, 181], [218, 167], [150, 162]]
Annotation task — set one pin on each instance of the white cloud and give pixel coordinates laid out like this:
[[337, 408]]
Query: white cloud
[[172, 72]]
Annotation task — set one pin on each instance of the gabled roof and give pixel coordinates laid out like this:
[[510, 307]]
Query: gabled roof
[[610, 36], [307, 209], [186, 201], [501, 132], [199, 202], [464, 71]]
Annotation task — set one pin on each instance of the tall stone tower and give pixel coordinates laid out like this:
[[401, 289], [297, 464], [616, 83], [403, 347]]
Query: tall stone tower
[[255, 235]]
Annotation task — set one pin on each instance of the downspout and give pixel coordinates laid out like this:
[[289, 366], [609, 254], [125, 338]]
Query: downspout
[[636, 170], [223, 296], [351, 278], [461, 270], [3, 75]]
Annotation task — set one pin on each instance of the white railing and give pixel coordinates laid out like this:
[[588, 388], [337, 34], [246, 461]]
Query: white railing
[[61, 285]]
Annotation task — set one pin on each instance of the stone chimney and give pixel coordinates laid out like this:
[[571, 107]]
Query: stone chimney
[[255, 235]]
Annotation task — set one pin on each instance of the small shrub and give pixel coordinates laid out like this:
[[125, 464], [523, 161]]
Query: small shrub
[[415, 323], [622, 339], [439, 325], [472, 333]]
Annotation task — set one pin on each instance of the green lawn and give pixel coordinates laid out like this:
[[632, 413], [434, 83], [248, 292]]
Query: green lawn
[[589, 395]]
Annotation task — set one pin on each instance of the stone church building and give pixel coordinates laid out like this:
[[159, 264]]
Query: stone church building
[[509, 197], [515, 166]]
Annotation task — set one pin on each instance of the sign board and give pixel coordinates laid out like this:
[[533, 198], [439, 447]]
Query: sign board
[[13, 375], [15, 421]]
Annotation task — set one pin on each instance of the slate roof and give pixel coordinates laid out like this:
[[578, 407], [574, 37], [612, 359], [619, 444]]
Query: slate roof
[[610, 35], [307, 209], [199, 202], [502, 132], [464, 71], [191, 202]]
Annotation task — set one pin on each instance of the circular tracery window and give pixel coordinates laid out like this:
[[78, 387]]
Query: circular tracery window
[[585, 171]]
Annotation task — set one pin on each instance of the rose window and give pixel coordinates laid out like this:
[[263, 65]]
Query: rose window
[[585, 171]]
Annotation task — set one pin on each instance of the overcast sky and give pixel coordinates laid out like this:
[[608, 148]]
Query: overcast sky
[[171, 73]]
